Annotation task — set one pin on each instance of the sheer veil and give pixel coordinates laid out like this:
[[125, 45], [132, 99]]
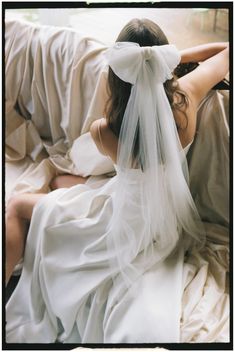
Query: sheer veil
[[152, 205]]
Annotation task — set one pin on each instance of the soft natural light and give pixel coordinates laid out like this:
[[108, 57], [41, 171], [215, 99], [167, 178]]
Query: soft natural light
[[183, 27]]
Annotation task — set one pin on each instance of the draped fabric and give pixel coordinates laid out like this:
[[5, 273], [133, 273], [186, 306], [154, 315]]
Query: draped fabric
[[72, 305], [205, 301], [55, 88]]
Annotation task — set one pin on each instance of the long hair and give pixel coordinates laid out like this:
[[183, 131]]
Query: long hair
[[145, 33]]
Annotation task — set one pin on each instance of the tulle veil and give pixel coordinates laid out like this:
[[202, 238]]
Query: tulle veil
[[165, 211]]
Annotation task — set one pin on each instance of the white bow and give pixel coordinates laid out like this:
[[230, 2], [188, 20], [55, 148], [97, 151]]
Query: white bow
[[126, 60]]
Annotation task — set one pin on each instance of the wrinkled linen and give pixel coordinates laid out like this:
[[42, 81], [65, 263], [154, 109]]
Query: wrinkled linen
[[187, 295]]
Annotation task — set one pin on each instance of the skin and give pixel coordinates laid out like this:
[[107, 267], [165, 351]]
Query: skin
[[214, 66]]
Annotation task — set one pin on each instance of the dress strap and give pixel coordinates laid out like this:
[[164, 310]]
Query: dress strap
[[99, 133]]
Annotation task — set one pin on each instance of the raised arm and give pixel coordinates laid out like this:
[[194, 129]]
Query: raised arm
[[202, 52], [214, 66]]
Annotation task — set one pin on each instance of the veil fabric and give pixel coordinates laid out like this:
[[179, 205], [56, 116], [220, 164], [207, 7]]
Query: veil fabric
[[151, 219]]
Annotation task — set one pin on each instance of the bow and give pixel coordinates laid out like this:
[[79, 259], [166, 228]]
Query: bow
[[126, 59]]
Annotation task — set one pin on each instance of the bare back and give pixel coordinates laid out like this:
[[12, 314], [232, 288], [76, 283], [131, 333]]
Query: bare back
[[107, 142]]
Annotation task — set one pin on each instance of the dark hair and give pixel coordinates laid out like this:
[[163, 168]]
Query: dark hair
[[145, 33]]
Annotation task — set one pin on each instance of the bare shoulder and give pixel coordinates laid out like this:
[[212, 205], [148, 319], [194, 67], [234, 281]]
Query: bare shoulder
[[104, 138], [96, 127], [98, 130]]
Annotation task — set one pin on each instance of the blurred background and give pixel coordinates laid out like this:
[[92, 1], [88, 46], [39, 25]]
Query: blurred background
[[183, 27]]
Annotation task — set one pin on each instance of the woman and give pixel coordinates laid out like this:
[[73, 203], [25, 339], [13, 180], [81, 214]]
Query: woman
[[87, 246]]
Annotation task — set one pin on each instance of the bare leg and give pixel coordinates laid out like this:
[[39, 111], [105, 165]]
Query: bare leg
[[18, 214], [66, 181]]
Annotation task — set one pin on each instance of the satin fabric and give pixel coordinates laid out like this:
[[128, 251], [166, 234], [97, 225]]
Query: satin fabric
[[66, 290]]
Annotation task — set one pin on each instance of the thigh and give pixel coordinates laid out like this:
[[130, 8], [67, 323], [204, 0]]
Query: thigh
[[66, 181]]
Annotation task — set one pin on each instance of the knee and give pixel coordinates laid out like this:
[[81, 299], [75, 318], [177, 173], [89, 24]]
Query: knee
[[12, 208], [55, 183], [14, 223]]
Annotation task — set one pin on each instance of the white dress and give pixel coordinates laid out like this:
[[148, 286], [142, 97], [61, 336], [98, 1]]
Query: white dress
[[65, 292]]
